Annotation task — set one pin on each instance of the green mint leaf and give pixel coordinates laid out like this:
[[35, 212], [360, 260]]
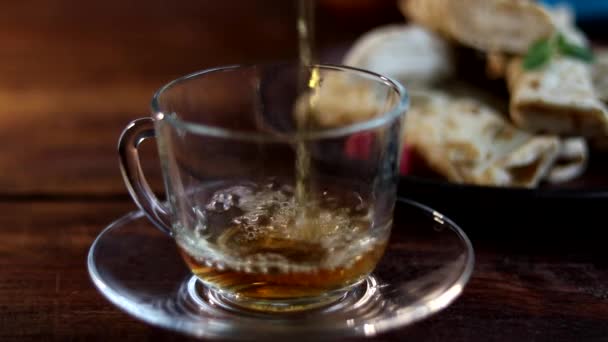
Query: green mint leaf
[[538, 54], [572, 50]]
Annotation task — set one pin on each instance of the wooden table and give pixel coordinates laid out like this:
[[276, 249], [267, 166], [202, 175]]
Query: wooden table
[[74, 73]]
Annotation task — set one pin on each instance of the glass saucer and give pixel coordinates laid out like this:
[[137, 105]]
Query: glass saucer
[[426, 265]]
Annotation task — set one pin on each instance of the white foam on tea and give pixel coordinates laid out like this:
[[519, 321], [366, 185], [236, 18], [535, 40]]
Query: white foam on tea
[[260, 234]]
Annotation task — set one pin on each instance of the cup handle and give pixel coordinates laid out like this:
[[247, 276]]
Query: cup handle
[[136, 132]]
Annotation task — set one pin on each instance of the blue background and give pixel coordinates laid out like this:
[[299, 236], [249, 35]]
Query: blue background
[[586, 10]]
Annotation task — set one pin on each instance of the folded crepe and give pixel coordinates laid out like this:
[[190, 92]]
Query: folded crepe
[[469, 142], [462, 139], [571, 160], [559, 98], [410, 54], [600, 73], [509, 26]]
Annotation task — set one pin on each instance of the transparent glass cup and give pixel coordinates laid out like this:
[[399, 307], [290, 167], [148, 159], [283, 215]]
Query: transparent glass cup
[[280, 179]]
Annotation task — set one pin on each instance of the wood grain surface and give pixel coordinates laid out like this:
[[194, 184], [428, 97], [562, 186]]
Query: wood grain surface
[[74, 73]]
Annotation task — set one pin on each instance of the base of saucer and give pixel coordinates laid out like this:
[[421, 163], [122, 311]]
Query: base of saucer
[[197, 297]]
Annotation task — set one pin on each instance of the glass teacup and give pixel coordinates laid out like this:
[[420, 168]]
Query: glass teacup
[[280, 179]]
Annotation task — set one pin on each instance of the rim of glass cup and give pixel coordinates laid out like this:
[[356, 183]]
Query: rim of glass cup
[[398, 109]]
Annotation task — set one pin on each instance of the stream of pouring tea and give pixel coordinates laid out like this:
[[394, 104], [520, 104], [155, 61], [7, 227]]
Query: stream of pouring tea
[[308, 82]]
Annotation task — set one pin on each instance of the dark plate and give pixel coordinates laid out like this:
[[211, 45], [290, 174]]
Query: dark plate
[[555, 209]]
